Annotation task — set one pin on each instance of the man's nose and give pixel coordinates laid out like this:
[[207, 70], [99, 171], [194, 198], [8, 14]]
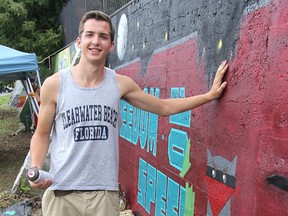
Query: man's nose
[[95, 40]]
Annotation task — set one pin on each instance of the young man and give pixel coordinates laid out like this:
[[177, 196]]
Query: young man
[[82, 104]]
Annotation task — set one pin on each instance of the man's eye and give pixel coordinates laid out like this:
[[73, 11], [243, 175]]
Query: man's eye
[[105, 37]]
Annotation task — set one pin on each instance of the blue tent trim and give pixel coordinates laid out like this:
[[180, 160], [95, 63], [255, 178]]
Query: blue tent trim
[[17, 65]]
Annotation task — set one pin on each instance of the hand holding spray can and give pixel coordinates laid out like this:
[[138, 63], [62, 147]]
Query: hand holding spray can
[[36, 175]]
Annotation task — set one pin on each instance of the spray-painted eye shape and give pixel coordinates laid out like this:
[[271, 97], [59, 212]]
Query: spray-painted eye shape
[[224, 177], [213, 173], [221, 177]]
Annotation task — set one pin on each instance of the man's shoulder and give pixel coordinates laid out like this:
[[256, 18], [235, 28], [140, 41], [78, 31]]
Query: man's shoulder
[[123, 77], [53, 80], [55, 76]]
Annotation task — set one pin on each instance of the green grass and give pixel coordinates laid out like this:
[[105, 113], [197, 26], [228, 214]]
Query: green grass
[[5, 99]]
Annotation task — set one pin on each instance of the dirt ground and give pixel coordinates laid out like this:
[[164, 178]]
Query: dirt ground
[[13, 150]]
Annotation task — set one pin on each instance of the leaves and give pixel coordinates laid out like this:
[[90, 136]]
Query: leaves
[[17, 9], [28, 26], [24, 186], [31, 26]]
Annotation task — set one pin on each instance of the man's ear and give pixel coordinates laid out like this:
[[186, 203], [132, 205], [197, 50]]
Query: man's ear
[[112, 46], [78, 42]]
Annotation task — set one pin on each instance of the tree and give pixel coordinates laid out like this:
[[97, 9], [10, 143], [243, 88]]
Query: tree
[[31, 26]]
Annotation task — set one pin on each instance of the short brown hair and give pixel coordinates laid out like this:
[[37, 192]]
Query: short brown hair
[[97, 15]]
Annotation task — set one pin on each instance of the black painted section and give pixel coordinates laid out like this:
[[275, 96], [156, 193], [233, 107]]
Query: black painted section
[[278, 181], [212, 20], [229, 181]]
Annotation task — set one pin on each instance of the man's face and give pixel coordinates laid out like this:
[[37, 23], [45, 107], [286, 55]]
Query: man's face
[[95, 41]]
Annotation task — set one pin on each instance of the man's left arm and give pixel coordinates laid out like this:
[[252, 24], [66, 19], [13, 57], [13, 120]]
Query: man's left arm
[[134, 95]]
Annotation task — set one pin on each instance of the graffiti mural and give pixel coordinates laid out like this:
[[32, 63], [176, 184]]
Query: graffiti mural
[[211, 160], [221, 184], [226, 157]]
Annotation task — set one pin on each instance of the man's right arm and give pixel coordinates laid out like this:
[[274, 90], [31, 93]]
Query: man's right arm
[[41, 139]]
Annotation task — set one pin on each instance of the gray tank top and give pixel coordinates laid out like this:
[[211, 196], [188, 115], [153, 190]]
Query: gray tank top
[[84, 146]]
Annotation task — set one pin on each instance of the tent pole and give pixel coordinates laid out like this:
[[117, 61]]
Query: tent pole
[[28, 88], [38, 77], [33, 97]]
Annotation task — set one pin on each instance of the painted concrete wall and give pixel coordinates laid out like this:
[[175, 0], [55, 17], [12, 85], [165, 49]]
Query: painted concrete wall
[[215, 159]]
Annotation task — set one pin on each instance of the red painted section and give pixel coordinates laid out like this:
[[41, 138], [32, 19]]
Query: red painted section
[[218, 195], [166, 70], [250, 121]]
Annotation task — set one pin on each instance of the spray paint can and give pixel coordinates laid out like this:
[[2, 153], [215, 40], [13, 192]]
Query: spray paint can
[[36, 175]]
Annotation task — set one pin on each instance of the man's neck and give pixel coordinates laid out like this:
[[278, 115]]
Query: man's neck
[[88, 75]]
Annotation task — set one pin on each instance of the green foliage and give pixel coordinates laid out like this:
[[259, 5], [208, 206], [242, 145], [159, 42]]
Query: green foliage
[[24, 186], [3, 84], [26, 117], [45, 72], [31, 26]]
